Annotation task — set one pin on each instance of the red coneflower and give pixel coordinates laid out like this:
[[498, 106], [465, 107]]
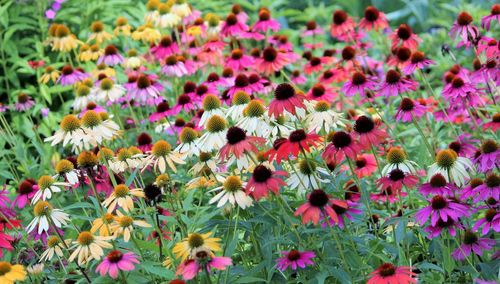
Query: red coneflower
[[318, 203], [238, 143], [374, 19], [368, 133], [285, 99], [342, 145], [320, 92], [396, 179], [342, 24], [264, 180], [404, 35], [387, 273], [313, 66], [272, 60], [297, 141]]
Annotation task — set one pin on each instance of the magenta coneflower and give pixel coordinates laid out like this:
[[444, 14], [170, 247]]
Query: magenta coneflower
[[295, 259], [203, 260], [463, 28], [162, 111], [117, 261], [25, 193], [240, 14], [409, 110], [396, 178], [256, 83], [373, 19], [387, 273], [238, 60], [144, 142], [184, 102], [404, 35], [441, 207], [239, 143], [297, 78], [472, 244], [489, 156], [264, 180], [490, 221], [318, 202], [174, 67], [111, 56], [368, 133], [417, 61], [342, 212], [312, 29], [241, 83], [24, 102], [438, 186], [458, 89], [489, 46], [265, 22], [342, 145], [214, 81], [145, 90], [272, 60], [166, 47], [342, 24], [396, 84], [451, 226], [359, 84], [70, 76], [320, 92], [464, 146], [494, 15], [285, 99], [233, 26], [489, 189]]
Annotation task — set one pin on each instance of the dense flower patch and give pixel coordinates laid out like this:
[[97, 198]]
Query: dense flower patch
[[201, 147]]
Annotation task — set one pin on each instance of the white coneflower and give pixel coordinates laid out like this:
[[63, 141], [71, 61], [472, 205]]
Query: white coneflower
[[162, 155], [36, 269], [215, 136], [255, 120], [396, 159], [124, 225], [205, 160], [67, 170], [98, 127], [99, 34], [132, 61], [88, 247], [232, 191], [188, 146], [279, 128], [122, 196], [306, 177], [164, 18], [44, 215], [323, 117], [70, 131], [451, 166], [239, 103], [213, 24], [211, 106], [82, 97], [127, 158], [47, 185], [54, 247], [108, 91], [181, 8]]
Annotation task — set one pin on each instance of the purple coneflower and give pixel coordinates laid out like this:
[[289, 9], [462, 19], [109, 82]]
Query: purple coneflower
[[395, 84], [117, 261], [443, 208], [409, 110], [489, 156], [24, 102], [295, 259], [111, 56], [359, 83], [472, 244], [490, 221]]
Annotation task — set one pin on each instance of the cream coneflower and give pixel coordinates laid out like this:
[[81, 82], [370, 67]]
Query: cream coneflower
[[306, 176], [64, 40], [162, 155], [211, 106], [188, 146], [98, 127], [98, 33], [215, 136], [127, 158], [205, 159], [147, 34], [323, 117], [66, 169], [54, 247], [396, 159], [238, 104], [451, 166], [132, 61], [124, 225], [185, 248], [122, 196], [36, 269], [181, 8], [70, 131], [44, 215], [82, 97], [232, 191], [108, 91], [88, 247], [122, 27], [50, 74], [103, 225], [255, 120], [90, 52], [164, 18], [47, 185]]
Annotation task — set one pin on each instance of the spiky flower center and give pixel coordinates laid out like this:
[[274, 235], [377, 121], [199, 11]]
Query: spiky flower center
[[87, 159], [364, 124], [52, 241], [125, 221], [293, 255], [339, 17], [395, 155], [195, 240], [105, 154], [91, 119], [216, 124], [188, 135], [211, 102], [232, 184], [438, 202], [42, 208], [64, 166], [470, 238], [45, 182], [161, 148], [121, 190], [114, 256], [341, 139], [254, 109], [371, 14], [70, 123], [489, 146], [97, 27], [392, 77], [387, 269], [464, 19], [318, 198], [438, 180], [322, 106], [240, 98], [162, 180], [307, 167], [5, 268], [492, 180], [85, 238], [235, 135], [446, 158]]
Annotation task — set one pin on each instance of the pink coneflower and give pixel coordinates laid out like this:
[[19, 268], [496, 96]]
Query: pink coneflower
[[396, 179], [265, 22], [451, 226], [162, 111], [24, 102], [240, 14], [364, 165], [404, 35], [233, 27], [256, 83], [145, 90], [166, 47], [458, 89], [203, 261], [312, 29], [472, 244], [319, 202], [174, 67], [489, 156], [438, 185], [285, 99], [494, 124], [464, 146], [241, 83], [298, 141], [297, 78], [400, 57], [295, 259], [342, 212], [227, 77], [489, 46], [343, 144], [359, 83], [144, 142], [463, 28], [320, 92], [264, 180], [490, 221], [184, 102], [313, 66], [272, 60], [368, 132], [238, 60], [441, 207], [176, 127], [489, 189], [470, 190], [396, 84], [387, 273], [409, 110], [342, 24], [26, 190], [374, 19], [494, 15], [111, 56], [238, 143], [202, 91], [115, 262], [417, 61], [70, 76], [214, 81]]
